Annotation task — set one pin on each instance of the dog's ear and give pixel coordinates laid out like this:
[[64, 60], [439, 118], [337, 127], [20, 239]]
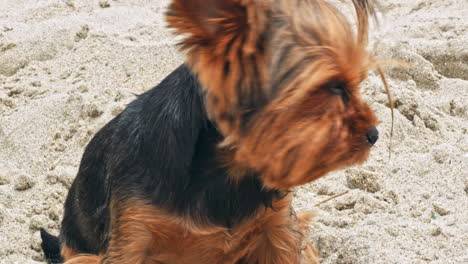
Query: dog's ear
[[206, 18], [224, 41], [207, 22]]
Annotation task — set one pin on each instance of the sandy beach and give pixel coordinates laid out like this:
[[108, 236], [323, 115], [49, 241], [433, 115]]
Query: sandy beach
[[68, 67]]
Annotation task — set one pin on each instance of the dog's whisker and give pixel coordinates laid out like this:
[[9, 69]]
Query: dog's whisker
[[390, 102]]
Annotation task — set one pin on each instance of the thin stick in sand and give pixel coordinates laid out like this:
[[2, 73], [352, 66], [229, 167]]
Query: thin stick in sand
[[331, 198]]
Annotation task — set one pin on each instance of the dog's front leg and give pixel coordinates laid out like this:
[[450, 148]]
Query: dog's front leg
[[132, 236], [281, 238], [131, 242]]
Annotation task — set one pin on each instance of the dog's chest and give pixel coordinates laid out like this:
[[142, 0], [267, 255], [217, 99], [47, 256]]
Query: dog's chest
[[183, 245], [176, 240]]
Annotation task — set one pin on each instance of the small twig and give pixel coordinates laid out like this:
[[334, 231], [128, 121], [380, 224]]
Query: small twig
[[331, 198]]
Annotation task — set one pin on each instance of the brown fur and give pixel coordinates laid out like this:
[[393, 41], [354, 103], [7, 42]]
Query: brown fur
[[72, 257], [146, 234], [84, 259], [67, 253]]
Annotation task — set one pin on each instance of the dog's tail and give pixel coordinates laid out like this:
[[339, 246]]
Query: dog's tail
[[51, 247]]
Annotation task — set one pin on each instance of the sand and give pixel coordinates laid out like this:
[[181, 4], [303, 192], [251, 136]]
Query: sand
[[68, 67]]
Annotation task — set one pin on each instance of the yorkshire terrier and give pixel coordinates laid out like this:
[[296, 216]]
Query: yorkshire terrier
[[200, 168]]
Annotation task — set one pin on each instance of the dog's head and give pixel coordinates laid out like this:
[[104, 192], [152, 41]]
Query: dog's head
[[282, 82]]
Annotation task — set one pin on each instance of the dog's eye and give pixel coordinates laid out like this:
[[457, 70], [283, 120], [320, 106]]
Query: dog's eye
[[337, 87]]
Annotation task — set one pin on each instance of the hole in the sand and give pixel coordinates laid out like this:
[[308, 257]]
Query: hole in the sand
[[345, 206], [449, 65]]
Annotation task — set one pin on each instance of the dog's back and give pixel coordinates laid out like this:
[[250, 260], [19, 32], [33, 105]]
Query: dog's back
[[161, 148]]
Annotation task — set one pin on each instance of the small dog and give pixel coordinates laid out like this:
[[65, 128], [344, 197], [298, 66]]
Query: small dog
[[199, 169]]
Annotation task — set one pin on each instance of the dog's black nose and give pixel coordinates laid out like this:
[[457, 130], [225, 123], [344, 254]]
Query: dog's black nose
[[372, 136]]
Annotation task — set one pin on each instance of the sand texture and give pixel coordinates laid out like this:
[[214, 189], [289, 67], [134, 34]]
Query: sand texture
[[68, 67]]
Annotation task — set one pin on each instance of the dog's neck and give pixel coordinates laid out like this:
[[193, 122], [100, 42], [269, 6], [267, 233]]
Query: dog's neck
[[220, 197], [231, 191], [180, 166]]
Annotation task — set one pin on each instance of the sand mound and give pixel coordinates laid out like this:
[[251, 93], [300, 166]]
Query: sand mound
[[68, 67]]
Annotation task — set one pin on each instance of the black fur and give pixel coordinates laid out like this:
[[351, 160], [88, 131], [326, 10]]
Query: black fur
[[162, 149], [51, 247]]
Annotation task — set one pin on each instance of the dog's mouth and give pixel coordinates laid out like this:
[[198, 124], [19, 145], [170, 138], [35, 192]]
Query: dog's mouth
[[331, 159]]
